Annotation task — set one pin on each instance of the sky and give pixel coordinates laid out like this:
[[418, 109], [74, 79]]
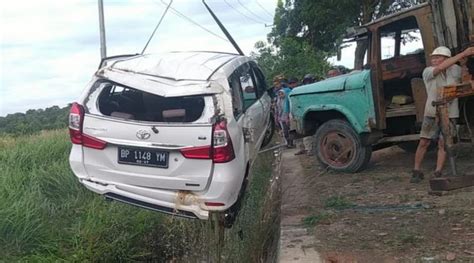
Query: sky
[[51, 48]]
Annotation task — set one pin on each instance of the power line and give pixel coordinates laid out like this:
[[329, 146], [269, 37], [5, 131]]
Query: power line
[[157, 25], [258, 22], [176, 12], [251, 12], [264, 9]]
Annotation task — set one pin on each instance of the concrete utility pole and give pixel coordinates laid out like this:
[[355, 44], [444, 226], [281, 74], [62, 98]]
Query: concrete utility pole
[[103, 50]]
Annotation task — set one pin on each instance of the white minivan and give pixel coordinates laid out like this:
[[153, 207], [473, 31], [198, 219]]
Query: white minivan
[[174, 132]]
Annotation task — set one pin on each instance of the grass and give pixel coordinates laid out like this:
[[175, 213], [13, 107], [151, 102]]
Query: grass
[[46, 215], [313, 220], [338, 202], [255, 225]]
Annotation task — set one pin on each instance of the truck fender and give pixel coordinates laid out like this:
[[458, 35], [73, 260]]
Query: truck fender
[[343, 111]]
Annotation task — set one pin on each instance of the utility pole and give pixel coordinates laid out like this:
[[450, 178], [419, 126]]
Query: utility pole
[[103, 50]]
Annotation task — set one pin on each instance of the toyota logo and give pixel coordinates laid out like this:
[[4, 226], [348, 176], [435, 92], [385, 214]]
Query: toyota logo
[[143, 135]]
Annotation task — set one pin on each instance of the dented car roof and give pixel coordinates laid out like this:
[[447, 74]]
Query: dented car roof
[[169, 74], [175, 65]]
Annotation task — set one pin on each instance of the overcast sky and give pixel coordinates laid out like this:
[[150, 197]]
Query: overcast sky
[[50, 48]]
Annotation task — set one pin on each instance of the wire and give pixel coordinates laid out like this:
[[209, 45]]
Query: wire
[[157, 25], [264, 9], [250, 11], [176, 12], [258, 22]]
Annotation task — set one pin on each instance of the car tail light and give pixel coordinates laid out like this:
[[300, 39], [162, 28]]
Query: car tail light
[[76, 118], [203, 152], [223, 150], [91, 142]]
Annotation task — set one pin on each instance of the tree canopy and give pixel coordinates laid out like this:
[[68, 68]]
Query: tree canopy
[[34, 121], [320, 25]]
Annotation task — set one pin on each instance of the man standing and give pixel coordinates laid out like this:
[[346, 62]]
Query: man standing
[[305, 145], [293, 83], [283, 111], [442, 72]]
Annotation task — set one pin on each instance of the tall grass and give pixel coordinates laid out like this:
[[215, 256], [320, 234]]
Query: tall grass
[[257, 222], [46, 215]]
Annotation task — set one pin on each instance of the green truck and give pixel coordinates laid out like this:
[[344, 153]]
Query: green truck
[[353, 114]]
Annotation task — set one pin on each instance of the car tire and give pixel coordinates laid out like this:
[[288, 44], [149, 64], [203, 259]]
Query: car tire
[[339, 147]]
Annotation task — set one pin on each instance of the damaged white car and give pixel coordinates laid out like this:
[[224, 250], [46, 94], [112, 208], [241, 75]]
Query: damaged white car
[[174, 132]]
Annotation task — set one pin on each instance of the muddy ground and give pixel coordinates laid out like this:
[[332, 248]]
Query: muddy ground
[[378, 216]]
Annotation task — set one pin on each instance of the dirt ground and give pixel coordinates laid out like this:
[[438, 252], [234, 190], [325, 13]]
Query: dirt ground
[[378, 216]]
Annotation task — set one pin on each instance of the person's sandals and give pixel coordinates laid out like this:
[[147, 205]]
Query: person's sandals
[[416, 176]]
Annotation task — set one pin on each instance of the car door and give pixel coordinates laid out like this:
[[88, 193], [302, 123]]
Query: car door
[[265, 102], [251, 116]]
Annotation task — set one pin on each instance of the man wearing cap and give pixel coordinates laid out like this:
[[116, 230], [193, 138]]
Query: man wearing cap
[[293, 83], [442, 72], [308, 79]]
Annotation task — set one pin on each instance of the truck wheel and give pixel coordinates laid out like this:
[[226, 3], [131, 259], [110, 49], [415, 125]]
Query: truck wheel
[[339, 147]]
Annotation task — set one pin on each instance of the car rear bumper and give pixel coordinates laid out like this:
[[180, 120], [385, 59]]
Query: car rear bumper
[[223, 189], [177, 203]]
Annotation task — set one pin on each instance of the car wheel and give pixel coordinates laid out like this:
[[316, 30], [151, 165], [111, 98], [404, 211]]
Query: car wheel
[[339, 147], [269, 132]]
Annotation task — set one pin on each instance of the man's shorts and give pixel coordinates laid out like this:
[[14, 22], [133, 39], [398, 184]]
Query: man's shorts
[[430, 129]]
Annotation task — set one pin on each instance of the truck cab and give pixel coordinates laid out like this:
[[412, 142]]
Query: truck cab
[[383, 103]]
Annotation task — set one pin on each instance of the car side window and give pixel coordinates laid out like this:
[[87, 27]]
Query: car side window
[[247, 85], [260, 80]]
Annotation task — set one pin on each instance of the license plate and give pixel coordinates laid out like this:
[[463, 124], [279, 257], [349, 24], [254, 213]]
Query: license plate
[[143, 157]]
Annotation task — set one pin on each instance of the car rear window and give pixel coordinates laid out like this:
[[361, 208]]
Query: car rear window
[[111, 99]]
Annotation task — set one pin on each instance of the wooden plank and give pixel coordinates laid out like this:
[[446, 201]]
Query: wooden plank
[[405, 110], [451, 183], [418, 90], [402, 138]]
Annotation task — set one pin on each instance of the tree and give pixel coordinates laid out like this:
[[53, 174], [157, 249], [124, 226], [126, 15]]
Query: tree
[[323, 23], [293, 58], [34, 121]]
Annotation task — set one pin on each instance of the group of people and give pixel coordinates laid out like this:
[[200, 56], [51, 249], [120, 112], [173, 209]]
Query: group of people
[[281, 110]]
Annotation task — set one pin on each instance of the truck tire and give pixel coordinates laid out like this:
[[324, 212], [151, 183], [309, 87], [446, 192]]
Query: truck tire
[[339, 147]]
